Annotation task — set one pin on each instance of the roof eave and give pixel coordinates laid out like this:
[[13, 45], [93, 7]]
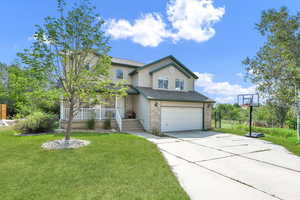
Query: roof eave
[[126, 65], [172, 58], [175, 100]]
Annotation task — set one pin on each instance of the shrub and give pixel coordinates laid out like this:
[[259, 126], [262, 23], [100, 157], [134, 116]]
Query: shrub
[[37, 122], [91, 123], [156, 132], [107, 124], [278, 132]]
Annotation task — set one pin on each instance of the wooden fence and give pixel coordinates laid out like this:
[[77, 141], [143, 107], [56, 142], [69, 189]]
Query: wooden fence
[[3, 111]]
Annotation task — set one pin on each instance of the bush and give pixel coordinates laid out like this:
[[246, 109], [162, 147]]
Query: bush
[[156, 132], [292, 123], [91, 123], [278, 132], [37, 122], [107, 124]]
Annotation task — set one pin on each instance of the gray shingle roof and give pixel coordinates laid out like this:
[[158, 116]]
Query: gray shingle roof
[[132, 90], [166, 95], [122, 61]]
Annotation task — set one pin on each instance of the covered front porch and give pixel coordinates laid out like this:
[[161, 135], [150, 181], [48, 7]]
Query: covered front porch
[[114, 107], [117, 109], [122, 106]]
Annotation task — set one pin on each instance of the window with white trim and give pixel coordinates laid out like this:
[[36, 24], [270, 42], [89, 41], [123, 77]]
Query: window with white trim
[[119, 74], [179, 84], [163, 83]]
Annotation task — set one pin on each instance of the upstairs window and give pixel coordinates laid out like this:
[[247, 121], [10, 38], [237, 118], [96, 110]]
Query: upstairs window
[[163, 83], [179, 84], [119, 74]]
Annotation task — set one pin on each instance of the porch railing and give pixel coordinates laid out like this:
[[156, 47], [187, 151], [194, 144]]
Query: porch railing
[[90, 113], [94, 113]]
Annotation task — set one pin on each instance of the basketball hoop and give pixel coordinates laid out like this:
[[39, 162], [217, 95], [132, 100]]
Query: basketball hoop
[[249, 100]]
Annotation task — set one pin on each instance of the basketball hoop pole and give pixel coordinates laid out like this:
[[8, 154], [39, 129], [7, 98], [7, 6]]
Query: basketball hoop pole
[[250, 121], [250, 100]]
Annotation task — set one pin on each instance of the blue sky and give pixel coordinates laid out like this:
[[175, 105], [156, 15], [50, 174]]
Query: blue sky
[[212, 42]]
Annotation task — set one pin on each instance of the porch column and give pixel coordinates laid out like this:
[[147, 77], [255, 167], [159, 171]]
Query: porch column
[[116, 103]]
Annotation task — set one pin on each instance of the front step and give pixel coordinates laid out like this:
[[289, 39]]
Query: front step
[[131, 125]]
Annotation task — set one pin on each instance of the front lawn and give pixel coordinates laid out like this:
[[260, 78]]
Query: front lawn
[[113, 166], [281, 136]]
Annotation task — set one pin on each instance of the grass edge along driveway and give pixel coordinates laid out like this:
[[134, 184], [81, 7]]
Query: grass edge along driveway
[[280, 136], [113, 166]]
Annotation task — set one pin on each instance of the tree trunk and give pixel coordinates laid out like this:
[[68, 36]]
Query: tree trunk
[[70, 119], [298, 115], [281, 124]]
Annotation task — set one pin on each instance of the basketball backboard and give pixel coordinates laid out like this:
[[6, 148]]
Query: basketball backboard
[[246, 100]]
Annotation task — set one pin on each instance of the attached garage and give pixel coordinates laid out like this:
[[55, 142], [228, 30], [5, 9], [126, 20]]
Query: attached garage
[[176, 110], [181, 118]]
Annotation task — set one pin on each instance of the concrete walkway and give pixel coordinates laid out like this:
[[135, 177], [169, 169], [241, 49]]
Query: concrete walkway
[[213, 166]]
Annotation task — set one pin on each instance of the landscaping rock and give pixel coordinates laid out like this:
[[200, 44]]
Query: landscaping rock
[[65, 144]]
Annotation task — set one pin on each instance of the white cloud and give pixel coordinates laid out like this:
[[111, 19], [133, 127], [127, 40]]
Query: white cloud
[[186, 20], [149, 30], [229, 99], [240, 75], [193, 19], [34, 37], [224, 92]]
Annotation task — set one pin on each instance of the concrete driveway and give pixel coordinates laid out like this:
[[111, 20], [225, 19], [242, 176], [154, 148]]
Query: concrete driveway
[[213, 166]]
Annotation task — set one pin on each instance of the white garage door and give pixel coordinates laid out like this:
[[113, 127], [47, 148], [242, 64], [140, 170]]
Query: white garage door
[[181, 118]]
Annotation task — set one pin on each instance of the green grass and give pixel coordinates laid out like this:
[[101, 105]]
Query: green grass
[[113, 166], [281, 136]]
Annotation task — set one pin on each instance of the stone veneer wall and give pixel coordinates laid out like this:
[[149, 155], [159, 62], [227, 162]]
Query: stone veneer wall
[[155, 115], [207, 115]]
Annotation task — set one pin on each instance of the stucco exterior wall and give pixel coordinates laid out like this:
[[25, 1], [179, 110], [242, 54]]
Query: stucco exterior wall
[[181, 104], [144, 78], [172, 73], [126, 71], [135, 80]]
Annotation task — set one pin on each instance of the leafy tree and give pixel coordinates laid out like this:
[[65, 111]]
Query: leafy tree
[[231, 112], [265, 113], [276, 66], [291, 119], [3, 80], [66, 46], [21, 89]]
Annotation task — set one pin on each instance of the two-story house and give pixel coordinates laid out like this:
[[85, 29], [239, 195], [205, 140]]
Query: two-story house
[[161, 97]]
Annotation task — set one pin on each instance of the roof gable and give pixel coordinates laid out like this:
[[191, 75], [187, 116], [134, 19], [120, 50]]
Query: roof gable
[[172, 64], [173, 59]]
